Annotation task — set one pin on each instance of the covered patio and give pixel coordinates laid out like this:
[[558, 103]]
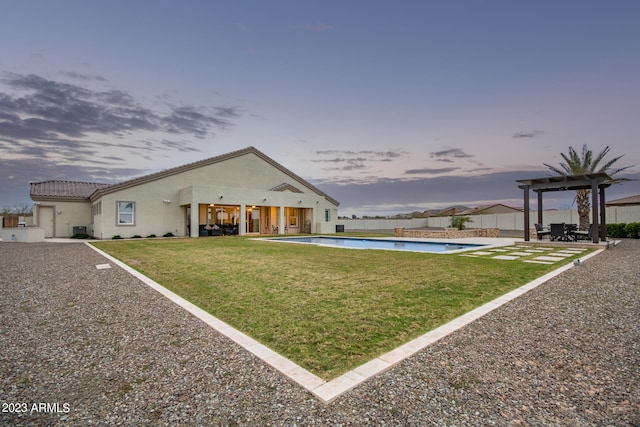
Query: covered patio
[[596, 182]]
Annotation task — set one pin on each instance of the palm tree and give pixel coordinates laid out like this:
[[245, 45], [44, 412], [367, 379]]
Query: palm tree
[[586, 163]]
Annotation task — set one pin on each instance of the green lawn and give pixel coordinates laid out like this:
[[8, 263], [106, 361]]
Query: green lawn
[[327, 309]]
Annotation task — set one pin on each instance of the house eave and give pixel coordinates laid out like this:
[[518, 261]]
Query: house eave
[[60, 199]]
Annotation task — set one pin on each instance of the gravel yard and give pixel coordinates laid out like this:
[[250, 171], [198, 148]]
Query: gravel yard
[[87, 346]]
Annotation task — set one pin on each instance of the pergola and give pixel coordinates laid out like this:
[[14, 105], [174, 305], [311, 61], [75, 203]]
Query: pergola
[[596, 182]]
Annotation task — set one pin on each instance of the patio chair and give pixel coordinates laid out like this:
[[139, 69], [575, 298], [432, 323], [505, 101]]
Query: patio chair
[[541, 231], [583, 234], [557, 232]]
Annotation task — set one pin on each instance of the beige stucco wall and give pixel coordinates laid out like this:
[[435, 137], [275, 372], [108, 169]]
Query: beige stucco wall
[[152, 215], [22, 234], [66, 215], [243, 180]]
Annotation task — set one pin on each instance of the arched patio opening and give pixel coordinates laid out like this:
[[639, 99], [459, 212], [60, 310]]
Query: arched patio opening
[[595, 182]]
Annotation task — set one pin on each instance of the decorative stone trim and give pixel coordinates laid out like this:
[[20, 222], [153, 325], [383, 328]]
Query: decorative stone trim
[[447, 233]]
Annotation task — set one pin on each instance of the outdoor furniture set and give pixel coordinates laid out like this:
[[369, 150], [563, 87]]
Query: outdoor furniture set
[[562, 232], [218, 230]]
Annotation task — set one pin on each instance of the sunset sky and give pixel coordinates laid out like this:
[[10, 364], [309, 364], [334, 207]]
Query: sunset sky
[[388, 106]]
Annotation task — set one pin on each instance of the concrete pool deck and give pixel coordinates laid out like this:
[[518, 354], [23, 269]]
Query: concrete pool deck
[[328, 391]]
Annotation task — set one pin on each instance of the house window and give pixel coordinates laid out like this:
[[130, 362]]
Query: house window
[[327, 215], [126, 213]]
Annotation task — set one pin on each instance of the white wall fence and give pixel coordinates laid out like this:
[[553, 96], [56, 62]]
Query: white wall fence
[[381, 224], [507, 221]]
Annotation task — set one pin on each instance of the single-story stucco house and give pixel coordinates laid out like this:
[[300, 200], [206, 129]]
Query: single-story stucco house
[[242, 192]]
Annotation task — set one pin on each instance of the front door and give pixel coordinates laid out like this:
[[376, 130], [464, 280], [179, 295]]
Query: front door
[[46, 220]]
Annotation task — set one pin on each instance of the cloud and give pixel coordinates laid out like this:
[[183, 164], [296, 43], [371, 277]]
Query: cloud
[[242, 27], [447, 155], [80, 76], [531, 134], [440, 190], [429, 171], [26, 170], [388, 196], [181, 146], [346, 160], [44, 117], [369, 154]]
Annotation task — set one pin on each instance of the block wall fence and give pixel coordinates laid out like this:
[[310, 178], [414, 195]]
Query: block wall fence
[[507, 221]]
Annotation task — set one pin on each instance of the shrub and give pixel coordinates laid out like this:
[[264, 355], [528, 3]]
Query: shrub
[[615, 230], [116, 237], [81, 236], [150, 236], [460, 222], [623, 230], [632, 230], [169, 234]]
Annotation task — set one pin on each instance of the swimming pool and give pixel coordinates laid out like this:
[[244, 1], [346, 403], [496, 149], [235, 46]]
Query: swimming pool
[[368, 243]]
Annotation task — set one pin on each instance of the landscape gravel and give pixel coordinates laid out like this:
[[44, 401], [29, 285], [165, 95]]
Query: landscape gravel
[[82, 346]]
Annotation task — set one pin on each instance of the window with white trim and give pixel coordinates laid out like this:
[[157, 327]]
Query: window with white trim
[[126, 213]]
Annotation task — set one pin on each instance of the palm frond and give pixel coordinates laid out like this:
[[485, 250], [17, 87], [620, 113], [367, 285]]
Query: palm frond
[[597, 160]]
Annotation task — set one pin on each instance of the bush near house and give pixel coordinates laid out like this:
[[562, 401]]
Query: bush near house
[[460, 222], [623, 230], [81, 236]]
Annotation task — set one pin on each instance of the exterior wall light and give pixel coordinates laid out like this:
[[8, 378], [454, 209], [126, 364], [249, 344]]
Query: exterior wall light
[[166, 201]]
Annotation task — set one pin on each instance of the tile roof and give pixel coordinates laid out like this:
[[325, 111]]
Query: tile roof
[[479, 209], [66, 189], [633, 200]]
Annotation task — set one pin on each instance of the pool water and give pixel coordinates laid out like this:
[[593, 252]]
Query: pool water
[[396, 245]]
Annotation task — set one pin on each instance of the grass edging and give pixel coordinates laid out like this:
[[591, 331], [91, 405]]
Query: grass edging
[[328, 309], [327, 391]]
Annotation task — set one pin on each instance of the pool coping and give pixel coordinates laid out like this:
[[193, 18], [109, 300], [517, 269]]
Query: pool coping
[[328, 391]]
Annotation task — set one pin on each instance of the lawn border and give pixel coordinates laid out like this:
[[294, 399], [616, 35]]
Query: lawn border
[[328, 391]]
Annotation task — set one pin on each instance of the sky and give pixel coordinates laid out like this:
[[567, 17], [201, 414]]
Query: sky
[[387, 106]]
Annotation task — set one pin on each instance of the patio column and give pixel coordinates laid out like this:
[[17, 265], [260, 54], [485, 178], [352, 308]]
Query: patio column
[[527, 234], [194, 229], [281, 220], [539, 207], [603, 216], [595, 217], [242, 226]]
